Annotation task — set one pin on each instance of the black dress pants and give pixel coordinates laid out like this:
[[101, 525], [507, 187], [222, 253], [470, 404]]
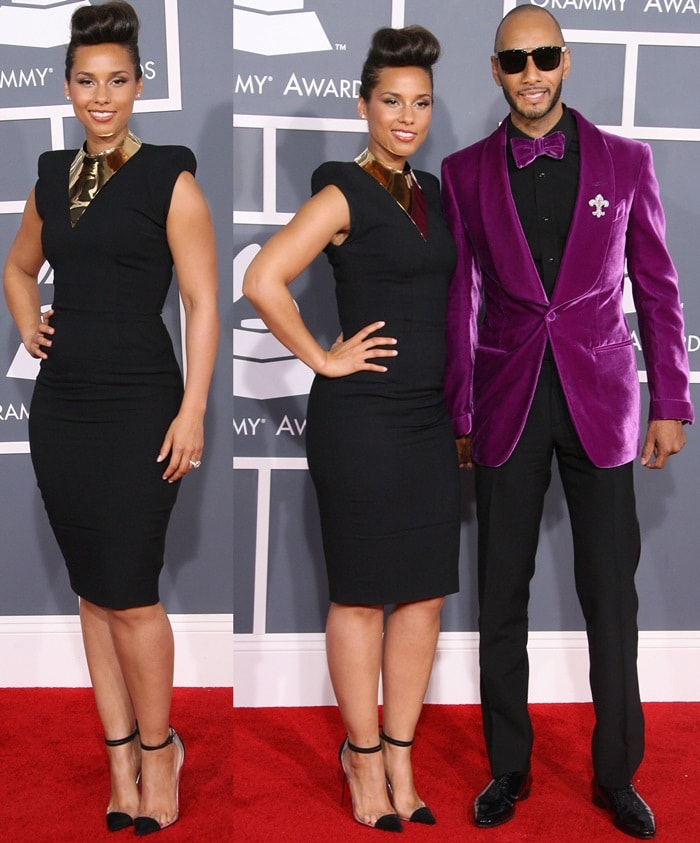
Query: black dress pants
[[606, 540]]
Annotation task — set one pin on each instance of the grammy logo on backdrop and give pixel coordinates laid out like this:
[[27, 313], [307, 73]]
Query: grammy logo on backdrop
[[276, 28], [262, 367]]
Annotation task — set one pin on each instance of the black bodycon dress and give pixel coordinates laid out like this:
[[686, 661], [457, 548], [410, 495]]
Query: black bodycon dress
[[111, 385], [380, 445]]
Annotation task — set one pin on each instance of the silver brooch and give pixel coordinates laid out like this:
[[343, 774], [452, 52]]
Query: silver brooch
[[598, 203]]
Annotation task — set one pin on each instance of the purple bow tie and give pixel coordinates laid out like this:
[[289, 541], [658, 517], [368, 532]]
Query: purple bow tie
[[525, 150]]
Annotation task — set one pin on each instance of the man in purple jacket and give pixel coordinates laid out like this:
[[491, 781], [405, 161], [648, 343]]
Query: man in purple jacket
[[545, 211]]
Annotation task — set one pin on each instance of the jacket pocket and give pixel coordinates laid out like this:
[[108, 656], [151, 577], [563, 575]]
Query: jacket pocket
[[612, 346]]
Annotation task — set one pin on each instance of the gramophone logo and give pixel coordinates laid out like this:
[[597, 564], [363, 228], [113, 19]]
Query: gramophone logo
[[262, 367], [37, 23], [277, 28]]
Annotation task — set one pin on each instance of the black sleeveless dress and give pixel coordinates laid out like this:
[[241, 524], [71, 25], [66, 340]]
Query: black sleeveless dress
[[380, 445], [111, 385]]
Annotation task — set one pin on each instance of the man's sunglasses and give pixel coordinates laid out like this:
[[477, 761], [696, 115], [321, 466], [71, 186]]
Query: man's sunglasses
[[545, 58]]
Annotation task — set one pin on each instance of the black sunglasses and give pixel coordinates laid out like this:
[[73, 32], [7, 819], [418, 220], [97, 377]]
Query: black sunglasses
[[545, 58]]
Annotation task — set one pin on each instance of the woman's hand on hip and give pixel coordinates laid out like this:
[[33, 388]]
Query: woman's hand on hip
[[40, 339], [348, 356]]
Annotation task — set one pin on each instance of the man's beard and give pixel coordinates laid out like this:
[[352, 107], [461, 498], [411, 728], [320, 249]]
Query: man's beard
[[534, 114]]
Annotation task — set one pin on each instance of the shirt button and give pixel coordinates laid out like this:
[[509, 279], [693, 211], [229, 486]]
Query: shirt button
[[540, 175], [551, 316], [550, 260], [545, 219]]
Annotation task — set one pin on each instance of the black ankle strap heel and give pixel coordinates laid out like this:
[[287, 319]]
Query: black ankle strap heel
[[166, 742], [363, 750], [118, 820], [147, 825], [423, 814], [383, 735], [122, 741], [387, 822]]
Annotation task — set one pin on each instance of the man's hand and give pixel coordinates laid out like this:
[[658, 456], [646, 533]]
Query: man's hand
[[464, 451], [664, 437]]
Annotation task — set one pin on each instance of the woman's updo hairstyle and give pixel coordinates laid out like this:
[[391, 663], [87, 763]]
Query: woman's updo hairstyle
[[412, 46], [107, 23]]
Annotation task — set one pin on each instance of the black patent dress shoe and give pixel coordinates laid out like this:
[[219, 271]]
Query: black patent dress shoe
[[630, 813], [495, 804]]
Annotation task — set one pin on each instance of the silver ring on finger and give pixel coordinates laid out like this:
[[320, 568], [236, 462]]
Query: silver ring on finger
[[195, 463]]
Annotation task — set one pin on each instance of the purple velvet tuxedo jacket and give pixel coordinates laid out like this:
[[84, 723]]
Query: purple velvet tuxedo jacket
[[493, 367]]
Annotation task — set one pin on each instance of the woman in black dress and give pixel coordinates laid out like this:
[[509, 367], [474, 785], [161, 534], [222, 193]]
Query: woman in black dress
[[112, 431], [379, 442]]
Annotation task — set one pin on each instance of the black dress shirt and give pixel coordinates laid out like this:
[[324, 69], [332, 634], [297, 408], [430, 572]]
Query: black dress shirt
[[544, 193]]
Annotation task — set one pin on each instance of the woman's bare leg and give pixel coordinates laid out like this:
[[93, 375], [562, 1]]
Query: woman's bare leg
[[143, 642], [113, 706], [409, 651], [354, 650]]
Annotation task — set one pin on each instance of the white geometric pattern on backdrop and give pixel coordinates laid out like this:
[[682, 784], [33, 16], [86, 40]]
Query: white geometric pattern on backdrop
[[262, 367], [287, 30], [37, 27]]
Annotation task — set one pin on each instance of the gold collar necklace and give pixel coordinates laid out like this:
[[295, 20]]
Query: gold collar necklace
[[90, 172], [403, 187], [397, 182]]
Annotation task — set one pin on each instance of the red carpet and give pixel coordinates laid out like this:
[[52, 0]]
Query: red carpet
[[287, 785], [53, 774]]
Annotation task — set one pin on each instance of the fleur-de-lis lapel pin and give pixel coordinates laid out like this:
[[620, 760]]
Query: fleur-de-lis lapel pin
[[598, 203]]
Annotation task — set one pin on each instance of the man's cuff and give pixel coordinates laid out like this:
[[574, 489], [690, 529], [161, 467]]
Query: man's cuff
[[462, 425], [669, 408]]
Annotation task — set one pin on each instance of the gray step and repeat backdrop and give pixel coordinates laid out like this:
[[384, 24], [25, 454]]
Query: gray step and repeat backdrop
[[296, 64], [186, 56]]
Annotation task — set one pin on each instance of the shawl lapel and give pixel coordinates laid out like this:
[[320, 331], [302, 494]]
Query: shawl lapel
[[589, 235], [507, 246]]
